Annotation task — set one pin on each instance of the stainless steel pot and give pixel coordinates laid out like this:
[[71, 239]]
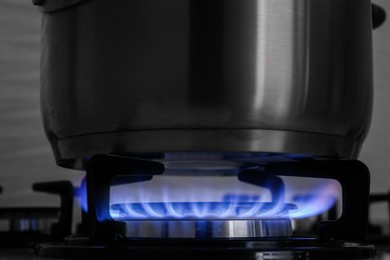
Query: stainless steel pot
[[157, 76]]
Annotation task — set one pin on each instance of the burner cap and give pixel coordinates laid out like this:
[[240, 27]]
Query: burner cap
[[204, 219], [201, 229]]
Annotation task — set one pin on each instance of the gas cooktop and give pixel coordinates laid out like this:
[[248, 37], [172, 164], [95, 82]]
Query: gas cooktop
[[239, 226]]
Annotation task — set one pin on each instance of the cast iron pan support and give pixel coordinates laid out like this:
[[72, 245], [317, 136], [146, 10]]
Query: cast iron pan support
[[352, 175], [271, 182], [101, 171], [64, 189], [354, 178], [374, 198]]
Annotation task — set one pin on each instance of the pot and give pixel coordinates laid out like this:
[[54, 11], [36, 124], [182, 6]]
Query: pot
[[148, 77]]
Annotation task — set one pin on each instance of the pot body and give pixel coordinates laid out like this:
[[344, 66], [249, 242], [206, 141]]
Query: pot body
[[156, 76]]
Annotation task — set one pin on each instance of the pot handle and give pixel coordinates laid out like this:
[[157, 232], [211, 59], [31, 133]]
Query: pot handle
[[378, 15], [47, 6]]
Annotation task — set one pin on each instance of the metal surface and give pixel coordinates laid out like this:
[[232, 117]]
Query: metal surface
[[289, 248], [198, 75], [259, 228]]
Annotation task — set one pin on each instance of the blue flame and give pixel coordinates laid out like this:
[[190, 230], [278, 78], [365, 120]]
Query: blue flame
[[320, 200], [312, 205], [199, 210], [198, 200], [82, 195], [208, 199]]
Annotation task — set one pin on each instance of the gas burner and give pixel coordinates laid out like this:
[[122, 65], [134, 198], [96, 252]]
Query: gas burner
[[352, 175], [231, 228], [184, 223]]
